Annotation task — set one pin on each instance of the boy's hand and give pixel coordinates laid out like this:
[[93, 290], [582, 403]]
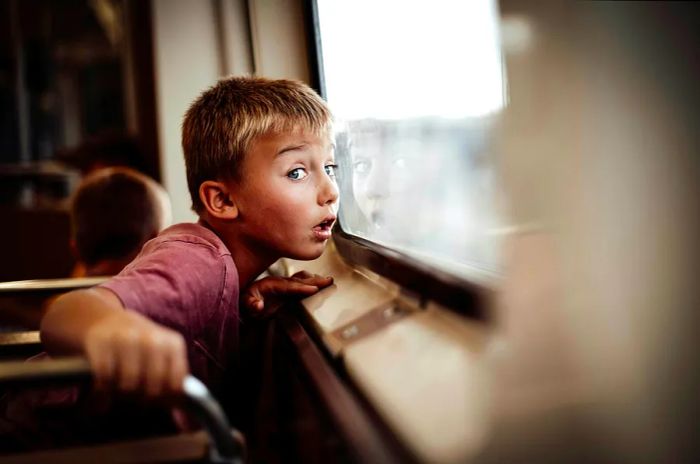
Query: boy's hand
[[134, 354], [263, 297]]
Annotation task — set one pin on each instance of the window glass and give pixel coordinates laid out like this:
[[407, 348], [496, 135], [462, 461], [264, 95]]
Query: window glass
[[417, 89]]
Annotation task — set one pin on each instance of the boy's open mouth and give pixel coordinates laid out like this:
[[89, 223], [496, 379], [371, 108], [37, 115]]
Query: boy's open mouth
[[325, 224], [322, 230]]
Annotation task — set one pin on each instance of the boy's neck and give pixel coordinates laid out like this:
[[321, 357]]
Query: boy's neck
[[250, 263]]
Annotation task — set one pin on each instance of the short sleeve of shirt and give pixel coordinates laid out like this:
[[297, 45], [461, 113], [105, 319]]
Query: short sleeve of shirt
[[178, 283]]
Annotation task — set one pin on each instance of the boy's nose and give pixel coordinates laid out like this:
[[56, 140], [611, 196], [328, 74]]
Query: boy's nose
[[327, 192], [377, 186]]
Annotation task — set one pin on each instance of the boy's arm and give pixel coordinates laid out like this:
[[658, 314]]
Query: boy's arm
[[124, 348]]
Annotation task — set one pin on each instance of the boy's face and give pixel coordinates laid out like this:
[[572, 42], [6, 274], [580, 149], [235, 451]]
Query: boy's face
[[288, 198]]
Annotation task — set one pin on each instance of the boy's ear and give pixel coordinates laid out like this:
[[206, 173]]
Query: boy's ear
[[217, 199]]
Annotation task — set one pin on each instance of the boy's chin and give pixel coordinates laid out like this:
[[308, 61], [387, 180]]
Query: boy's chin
[[308, 255]]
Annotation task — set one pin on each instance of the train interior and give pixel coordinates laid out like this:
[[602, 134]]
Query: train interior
[[514, 256]]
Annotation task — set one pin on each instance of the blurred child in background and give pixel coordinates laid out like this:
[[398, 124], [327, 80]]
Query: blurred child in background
[[113, 213]]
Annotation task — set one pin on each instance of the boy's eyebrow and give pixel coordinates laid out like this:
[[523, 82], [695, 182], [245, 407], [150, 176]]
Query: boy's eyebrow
[[290, 148]]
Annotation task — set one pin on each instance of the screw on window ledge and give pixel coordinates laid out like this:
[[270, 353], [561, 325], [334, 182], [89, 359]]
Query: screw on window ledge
[[389, 312], [350, 332]]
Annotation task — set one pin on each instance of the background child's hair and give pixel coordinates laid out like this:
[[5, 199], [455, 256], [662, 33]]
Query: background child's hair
[[220, 125], [114, 212]]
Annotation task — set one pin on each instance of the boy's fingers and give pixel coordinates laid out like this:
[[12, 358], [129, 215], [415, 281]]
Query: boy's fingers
[[254, 302], [306, 275], [316, 280], [102, 364], [302, 275], [288, 286], [177, 360], [156, 376], [272, 288], [254, 291], [129, 368], [156, 366]]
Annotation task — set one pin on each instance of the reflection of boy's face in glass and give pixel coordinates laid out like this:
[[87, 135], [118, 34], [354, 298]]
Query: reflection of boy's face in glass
[[391, 175], [420, 184], [378, 178]]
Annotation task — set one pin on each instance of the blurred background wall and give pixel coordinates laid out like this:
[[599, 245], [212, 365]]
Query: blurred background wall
[[88, 83]]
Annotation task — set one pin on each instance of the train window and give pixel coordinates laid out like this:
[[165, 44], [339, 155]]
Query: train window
[[416, 103]]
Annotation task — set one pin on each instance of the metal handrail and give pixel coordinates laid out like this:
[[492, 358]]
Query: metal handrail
[[226, 447], [40, 286]]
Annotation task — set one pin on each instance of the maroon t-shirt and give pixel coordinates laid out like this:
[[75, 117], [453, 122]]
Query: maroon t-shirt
[[186, 279]]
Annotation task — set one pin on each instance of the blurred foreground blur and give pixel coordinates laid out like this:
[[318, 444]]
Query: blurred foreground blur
[[601, 160]]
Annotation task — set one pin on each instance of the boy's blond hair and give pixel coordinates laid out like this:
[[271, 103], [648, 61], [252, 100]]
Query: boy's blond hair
[[221, 124]]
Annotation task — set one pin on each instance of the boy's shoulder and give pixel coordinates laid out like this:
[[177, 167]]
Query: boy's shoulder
[[185, 266], [192, 233]]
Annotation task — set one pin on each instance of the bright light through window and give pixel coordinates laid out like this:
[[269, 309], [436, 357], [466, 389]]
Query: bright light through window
[[392, 59], [417, 88]]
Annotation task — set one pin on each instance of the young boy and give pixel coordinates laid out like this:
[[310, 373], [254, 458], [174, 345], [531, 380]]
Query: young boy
[[260, 172], [114, 212]]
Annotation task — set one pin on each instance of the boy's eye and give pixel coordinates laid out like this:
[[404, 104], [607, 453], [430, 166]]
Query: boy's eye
[[297, 174], [330, 169], [361, 166]]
